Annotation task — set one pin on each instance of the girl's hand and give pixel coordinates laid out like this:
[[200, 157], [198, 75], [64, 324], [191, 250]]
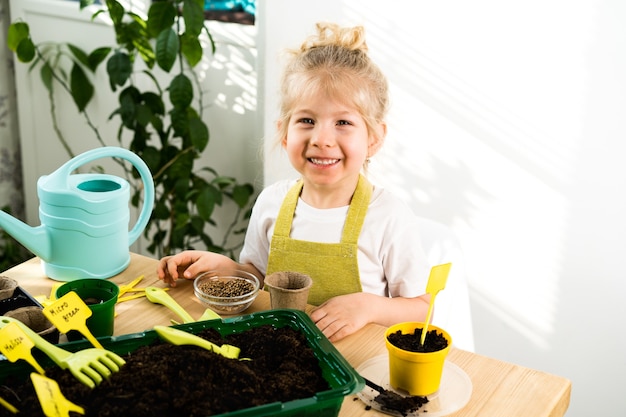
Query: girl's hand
[[190, 263], [187, 264], [343, 315]]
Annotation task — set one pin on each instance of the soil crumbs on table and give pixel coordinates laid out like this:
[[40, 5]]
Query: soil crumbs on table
[[392, 401], [163, 379]]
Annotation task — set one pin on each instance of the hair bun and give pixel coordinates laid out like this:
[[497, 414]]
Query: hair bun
[[331, 34]]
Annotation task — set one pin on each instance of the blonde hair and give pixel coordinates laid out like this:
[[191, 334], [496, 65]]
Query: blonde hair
[[335, 61]]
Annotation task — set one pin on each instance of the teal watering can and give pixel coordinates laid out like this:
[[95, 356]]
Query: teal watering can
[[84, 231]]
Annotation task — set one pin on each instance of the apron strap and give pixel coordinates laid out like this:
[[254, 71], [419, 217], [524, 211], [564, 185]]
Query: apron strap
[[357, 211], [354, 219], [284, 219]]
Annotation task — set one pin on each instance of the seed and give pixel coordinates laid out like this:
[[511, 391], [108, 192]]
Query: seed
[[226, 288]]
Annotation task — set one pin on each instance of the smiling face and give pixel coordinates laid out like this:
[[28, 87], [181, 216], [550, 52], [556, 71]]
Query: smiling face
[[327, 142]]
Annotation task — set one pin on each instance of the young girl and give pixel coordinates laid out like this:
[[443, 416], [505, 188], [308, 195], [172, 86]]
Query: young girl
[[359, 243]]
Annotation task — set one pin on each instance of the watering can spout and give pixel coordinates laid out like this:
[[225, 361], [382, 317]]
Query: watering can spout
[[35, 239]]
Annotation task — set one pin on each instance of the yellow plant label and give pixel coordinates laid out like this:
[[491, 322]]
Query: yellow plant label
[[68, 313], [52, 401], [71, 313], [17, 345]]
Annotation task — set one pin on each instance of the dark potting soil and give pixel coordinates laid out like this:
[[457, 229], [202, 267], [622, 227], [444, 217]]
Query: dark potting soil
[[412, 341], [162, 379]]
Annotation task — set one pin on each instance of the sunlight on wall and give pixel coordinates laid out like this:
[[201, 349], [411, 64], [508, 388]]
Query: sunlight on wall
[[456, 154], [233, 61], [480, 137]]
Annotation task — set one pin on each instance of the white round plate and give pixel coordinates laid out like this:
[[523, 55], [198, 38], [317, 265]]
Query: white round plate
[[454, 392]]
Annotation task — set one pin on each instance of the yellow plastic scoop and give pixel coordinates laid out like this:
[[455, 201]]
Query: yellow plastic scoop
[[71, 313], [52, 401], [209, 315], [436, 282], [159, 296], [179, 337], [17, 345]]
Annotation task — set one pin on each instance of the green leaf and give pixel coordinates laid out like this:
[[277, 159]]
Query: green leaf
[[116, 11], [178, 120], [211, 170], [17, 33], [191, 49], [181, 91], [223, 182], [206, 203], [154, 102], [218, 195], [25, 50], [96, 57], [198, 133], [160, 211], [128, 99], [181, 169], [161, 16], [46, 76], [81, 87], [152, 158], [140, 137], [85, 3], [144, 115], [144, 47], [197, 224], [181, 220], [194, 16], [79, 54], [119, 68], [242, 193], [167, 47], [139, 22], [157, 123]]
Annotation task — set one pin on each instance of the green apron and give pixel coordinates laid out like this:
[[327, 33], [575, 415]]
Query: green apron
[[334, 267]]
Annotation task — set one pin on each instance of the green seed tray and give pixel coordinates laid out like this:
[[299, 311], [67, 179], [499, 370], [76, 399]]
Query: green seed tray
[[341, 377]]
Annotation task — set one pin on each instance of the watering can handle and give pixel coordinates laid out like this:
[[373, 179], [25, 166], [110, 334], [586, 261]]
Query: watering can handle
[[140, 166]]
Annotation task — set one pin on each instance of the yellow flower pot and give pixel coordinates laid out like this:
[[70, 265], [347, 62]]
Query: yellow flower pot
[[417, 373]]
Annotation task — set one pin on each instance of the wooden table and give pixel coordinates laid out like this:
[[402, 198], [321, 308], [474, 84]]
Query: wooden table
[[499, 388]]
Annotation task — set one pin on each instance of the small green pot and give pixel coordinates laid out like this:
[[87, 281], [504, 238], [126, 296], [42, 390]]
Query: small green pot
[[100, 296]]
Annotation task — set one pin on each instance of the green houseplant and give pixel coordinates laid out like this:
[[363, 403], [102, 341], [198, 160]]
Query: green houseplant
[[161, 123]]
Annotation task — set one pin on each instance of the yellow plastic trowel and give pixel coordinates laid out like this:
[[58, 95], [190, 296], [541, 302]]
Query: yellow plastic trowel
[[436, 282]]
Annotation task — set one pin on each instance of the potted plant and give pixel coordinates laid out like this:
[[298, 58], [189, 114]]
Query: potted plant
[[162, 123]]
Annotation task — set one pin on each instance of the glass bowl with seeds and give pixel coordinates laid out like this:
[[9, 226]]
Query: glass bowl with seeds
[[226, 291]]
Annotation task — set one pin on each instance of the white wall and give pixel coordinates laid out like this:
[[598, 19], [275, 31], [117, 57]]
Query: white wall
[[508, 125]]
